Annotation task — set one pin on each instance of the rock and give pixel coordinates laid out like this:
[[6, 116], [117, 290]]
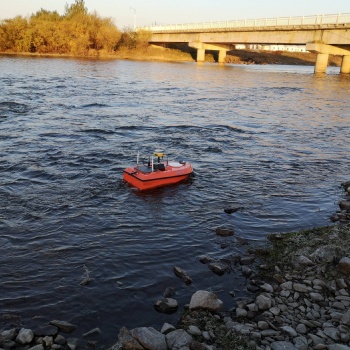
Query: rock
[[346, 318], [346, 184], [344, 266], [149, 338], [205, 300], [127, 341], [275, 310], [9, 344], [169, 292], [302, 288], [218, 268], [86, 281], [287, 285], [332, 332], [263, 325], [231, 210], [25, 336], [282, 345], [37, 347], [315, 340], [301, 328], [263, 302], [183, 275], [9, 334], [300, 343], [178, 339], [46, 330], [204, 259], [72, 343], [193, 330], [247, 260], [166, 305], [302, 261], [344, 205], [246, 271], [63, 326], [241, 312], [338, 347], [167, 327], [316, 297], [92, 332], [224, 232], [267, 288], [289, 331], [60, 340]]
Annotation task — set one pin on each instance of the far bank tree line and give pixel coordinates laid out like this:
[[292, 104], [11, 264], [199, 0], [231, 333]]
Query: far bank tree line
[[76, 32]]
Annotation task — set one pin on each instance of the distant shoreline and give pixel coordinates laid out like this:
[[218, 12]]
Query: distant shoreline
[[162, 54]]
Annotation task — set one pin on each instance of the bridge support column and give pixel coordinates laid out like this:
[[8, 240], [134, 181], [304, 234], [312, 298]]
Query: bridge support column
[[200, 55], [345, 65], [222, 56], [321, 62]]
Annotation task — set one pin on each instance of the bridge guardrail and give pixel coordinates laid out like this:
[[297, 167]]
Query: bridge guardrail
[[340, 18]]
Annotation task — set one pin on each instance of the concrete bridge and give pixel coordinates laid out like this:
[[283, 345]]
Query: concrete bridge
[[323, 34]]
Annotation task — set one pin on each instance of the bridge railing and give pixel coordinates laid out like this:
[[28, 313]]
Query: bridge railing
[[340, 18]]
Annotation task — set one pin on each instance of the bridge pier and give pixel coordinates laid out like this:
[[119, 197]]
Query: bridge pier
[[222, 56], [323, 51], [345, 65], [201, 47], [200, 55], [321, 62]]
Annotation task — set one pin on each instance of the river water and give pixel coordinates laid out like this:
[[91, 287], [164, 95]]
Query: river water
[[270, 139]]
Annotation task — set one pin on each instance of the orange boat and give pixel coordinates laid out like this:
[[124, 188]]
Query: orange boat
[[157, 172]]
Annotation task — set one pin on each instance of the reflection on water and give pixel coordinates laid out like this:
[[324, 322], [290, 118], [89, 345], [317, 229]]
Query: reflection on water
[[269, 139]]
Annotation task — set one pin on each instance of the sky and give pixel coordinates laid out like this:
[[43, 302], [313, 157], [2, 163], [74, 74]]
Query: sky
[[127, 13]]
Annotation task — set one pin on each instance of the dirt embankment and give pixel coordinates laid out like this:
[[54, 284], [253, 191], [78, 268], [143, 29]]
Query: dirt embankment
[[182, 53]]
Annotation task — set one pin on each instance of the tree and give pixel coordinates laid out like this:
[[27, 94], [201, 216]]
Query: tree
[[76, 9], [15, 34]]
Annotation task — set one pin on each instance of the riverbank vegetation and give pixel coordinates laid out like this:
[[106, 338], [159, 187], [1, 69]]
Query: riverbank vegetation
[[77, 32]]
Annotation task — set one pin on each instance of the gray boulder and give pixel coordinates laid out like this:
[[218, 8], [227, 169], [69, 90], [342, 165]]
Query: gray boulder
[[9, 335], [25, 336], [72, 343], [37, 347], [63, 326], [127, 341], [263, 302], [205, 300], [167, 328], [166, 305], [149, 338], [178, 339]]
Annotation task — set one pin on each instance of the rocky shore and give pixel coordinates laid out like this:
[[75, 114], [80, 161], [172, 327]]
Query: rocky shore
[[302, 299], [301, 286]]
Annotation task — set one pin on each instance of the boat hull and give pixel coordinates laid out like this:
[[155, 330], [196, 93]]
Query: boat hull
[[146, 180]]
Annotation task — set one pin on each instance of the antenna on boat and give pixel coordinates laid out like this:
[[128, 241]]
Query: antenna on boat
[[137, 158]]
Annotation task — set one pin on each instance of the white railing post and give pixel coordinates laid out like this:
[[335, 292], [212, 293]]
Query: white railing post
[[322, 19]]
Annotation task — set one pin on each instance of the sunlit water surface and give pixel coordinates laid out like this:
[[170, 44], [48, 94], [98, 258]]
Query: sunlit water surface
[[270, 139]]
